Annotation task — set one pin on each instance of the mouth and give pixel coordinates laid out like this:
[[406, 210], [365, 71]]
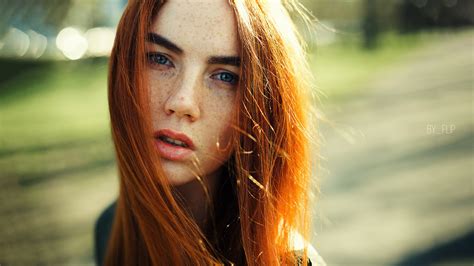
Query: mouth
[[174, 142], [173, 145]]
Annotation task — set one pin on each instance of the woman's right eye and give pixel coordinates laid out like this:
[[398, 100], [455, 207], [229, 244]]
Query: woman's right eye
[[158, 59]]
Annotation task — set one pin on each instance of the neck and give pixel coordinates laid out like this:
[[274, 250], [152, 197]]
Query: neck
[[195, 199]]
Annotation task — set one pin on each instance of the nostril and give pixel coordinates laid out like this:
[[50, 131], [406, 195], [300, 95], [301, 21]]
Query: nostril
[[191, 117]]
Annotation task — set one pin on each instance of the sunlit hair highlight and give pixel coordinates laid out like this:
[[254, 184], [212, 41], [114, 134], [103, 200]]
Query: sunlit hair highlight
[[270, 166]]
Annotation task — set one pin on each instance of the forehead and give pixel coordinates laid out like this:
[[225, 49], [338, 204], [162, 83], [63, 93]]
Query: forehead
[[206, 27]]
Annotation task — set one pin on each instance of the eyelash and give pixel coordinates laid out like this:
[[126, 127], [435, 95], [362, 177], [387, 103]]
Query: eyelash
[[234, 78], [154, 59]]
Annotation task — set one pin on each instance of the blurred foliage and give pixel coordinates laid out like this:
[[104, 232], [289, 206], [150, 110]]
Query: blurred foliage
[[49, 16], [56, 160], [53, 100], [341, 69]]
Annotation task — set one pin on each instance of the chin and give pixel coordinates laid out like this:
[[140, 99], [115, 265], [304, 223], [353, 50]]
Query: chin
[[177, 173]]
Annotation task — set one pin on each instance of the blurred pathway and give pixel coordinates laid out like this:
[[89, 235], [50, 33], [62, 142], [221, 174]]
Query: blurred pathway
[[398, 178]]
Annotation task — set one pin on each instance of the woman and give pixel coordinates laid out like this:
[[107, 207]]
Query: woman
[[208, 110]]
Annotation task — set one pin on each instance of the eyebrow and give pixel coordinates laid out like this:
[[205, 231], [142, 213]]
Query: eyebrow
[[218, 60], [162, 41], [224, 60]]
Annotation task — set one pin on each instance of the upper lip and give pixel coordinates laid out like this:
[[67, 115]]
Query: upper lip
[[175, 135]]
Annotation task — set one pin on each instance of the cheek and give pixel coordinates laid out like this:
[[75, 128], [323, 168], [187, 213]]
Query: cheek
[[158, 91], [220, 124], [159, 86]]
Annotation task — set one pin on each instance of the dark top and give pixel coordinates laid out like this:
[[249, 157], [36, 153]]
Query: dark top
[[102, 230]]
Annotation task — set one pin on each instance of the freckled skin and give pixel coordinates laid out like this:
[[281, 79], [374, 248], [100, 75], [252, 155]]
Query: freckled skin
[[187, 97]]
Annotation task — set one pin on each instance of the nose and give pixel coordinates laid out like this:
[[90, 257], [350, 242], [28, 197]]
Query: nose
[[183, 100]]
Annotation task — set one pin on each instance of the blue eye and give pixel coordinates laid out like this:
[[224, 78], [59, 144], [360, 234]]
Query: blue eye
[[158, 59], [226, 77]]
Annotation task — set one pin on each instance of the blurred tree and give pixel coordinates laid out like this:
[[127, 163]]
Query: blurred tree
[[369, 25], [422, 14], [41, 16]]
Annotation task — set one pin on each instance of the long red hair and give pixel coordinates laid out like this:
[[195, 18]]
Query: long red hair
[[268, 188]]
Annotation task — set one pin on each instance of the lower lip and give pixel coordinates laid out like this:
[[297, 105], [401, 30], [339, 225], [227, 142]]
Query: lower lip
[[172, 152]]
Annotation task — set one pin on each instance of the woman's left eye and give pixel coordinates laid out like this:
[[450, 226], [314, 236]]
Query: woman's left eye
[[226, 77]]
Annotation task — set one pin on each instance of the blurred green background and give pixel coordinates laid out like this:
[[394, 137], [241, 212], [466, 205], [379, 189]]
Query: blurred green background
[[395, 80]]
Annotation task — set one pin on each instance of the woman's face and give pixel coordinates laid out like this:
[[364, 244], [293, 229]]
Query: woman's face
[[193, 72]]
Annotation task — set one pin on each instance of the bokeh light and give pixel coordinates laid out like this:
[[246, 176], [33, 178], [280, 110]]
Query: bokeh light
[[72, 43], [15, 42], [100, 41], [38, 44]]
